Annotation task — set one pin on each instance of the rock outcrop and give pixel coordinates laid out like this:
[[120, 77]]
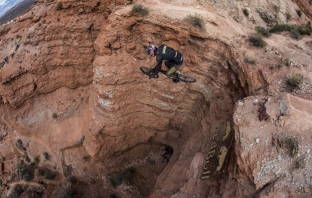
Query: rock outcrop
[[75, 103]]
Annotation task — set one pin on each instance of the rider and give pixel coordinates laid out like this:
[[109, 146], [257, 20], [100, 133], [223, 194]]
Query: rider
[[173, 60]]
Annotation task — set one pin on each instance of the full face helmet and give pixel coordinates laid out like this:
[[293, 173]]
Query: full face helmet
[[150, 50]]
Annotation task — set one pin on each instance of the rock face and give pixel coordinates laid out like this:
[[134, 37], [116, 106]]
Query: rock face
[[74, 103], [275, 154]]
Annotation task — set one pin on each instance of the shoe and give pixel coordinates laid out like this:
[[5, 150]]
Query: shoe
[[171, 71], [176, 80], [153, 74]]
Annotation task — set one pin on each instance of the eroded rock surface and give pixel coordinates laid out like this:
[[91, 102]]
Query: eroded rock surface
[[73, 91]]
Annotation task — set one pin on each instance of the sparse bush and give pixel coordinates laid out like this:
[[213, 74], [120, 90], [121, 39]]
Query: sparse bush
[[46, 155], [264, 32], [299, 13], [304, 29], [250, 60], [48, 174], [295, 34], [112, 196], [59, 5], [281, 27], [288, 16], [92, 181], [139, 9], [27, 176], [301, 163], [287, 62], [19, 144], [71, 179], [68, 170], [24, 172], [67, 193], [36, 160], [257, 40], [116, 179], [246, 12], [16, 191], [27, 159], [295, 31], [291, 144], [54, 115], [196, 20], [39, 172], [295, 80]]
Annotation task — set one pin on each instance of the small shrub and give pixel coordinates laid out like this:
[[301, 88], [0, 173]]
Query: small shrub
[[281, 27], [19, 144], [59, 5], [71, 179], [257, 40], [295, 80], [27, 176], [112, 196], [36, 160], [127, 175], [92, 181], [250, 60], [291, 144], [288, 16], [46, 155], [67, 193], [117, 179], [287, 62], [294, 33], [39, 172], [304, 29], [27, 159], [48, 174], [299, 13], [196, 20], [139, 9], [264, 32], [16, 191], [301, 163], [68, 170], [24, 172], [54, 115], [246, 12]]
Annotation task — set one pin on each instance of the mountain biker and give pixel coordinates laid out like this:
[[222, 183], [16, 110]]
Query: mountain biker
[[173, 60]]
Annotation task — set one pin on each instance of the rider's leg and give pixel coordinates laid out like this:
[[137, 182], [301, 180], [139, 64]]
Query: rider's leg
[[175, 68], [169, 64], [154, 72]]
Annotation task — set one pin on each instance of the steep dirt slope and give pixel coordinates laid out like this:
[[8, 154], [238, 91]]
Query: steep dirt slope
[[78, 117]]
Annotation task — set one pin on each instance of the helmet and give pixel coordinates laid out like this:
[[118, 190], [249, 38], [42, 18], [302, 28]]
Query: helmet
[[150, 50]]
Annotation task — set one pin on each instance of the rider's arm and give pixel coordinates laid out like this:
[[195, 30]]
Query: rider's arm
[[158, 65], [159, 58]]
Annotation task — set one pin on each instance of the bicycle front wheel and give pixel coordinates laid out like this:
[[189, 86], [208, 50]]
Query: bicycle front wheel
[[186, 78], [145, 70]]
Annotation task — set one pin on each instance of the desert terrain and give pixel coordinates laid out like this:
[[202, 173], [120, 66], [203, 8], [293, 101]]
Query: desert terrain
[[79, 118]]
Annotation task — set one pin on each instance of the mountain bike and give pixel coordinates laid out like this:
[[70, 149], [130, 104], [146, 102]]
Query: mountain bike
[[175, 76]]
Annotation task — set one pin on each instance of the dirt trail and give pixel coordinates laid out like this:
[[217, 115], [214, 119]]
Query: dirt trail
[[27, 134]]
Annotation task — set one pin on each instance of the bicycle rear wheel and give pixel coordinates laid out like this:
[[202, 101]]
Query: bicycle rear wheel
[[186, 78]]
